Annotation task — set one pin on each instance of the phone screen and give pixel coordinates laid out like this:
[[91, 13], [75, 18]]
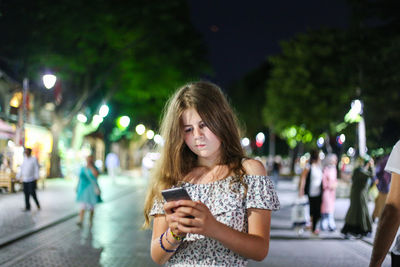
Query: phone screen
[[174, 194]]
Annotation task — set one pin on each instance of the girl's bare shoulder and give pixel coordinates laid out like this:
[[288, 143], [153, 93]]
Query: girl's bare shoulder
[[254, 167]]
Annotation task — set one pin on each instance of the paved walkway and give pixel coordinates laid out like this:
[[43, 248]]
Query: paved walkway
[[58, 204], [116, 238]]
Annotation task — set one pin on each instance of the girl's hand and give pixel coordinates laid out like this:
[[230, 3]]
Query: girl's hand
[[172, 216], [203, 222]]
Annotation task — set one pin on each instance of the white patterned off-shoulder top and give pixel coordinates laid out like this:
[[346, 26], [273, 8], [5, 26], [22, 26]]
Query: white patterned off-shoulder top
[[227, 203]]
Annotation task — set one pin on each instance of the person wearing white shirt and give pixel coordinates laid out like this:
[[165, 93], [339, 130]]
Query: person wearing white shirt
[[311, 185], [28, 174], [112, 164]]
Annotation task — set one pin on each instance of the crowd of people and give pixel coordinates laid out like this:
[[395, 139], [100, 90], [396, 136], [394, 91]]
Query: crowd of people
[[319, 181]]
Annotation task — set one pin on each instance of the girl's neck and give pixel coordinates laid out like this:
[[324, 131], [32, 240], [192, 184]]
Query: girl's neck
[[203, 174], [210, 164]]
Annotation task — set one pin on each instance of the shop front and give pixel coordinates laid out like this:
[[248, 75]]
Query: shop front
[[40, 140], [7, 172]]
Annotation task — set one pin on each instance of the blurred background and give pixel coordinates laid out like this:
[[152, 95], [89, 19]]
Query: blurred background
[[320, 73], [92, 77]]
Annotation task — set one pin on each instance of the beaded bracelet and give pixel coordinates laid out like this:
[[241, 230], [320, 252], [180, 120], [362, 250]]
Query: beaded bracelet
[[178, 238], [169, 242], [162, 246]]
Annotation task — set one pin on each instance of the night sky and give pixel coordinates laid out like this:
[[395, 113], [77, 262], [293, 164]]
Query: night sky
[[240, 35]]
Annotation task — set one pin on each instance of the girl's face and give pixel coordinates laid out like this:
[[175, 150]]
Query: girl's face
[[199, 138]]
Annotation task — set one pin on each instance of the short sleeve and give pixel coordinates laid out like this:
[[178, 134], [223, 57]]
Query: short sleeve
[[393, 163], [261, 193], [158, 207]]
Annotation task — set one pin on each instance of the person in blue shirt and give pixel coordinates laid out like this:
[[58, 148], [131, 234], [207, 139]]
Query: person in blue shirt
[[88, 190]]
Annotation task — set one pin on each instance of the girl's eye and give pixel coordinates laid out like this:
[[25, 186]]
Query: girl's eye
[[187, 130], [202, 125]]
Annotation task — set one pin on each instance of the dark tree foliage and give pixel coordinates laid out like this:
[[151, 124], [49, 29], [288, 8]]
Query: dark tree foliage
[[138, 50], [376, 26], [132, 54], [319, 73], [311, 82], [248, 98]]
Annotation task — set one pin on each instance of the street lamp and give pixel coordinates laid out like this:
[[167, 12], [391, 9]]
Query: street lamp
[[159, 140], [104, 109], [260, 138], [49, 80], [150, 134], [124, 121], [355, 115], [82, 118], [245, 141], [140, 129]]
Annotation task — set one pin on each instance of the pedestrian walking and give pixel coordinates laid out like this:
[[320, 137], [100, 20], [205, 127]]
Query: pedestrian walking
[[358, 221], [231, 196], [88, 190], [382, 180], [389, 220], [276, 169], [329, 184], [311, 185], [29, 174], [112, 164]]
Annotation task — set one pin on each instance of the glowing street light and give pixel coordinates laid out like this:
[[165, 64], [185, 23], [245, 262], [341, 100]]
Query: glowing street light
[[260, 138], [342, 138], [158, 139], [124, 121], [355, 115], [82, 118], [49, 80], [245, 141], [320, 142], [150, 134], [356, 105], [140, 129], [97, 119], [104, 109]]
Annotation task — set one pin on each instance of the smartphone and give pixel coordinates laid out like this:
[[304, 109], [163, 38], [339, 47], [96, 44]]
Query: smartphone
[[177, 193], [174, 194]]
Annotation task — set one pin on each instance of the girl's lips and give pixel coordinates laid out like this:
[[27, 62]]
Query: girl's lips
[[200, 146]]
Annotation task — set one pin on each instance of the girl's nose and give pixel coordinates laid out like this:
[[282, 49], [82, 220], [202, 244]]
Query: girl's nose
[[197, 132]]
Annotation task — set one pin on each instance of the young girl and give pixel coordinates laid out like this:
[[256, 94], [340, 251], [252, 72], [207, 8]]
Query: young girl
[[228, 219]]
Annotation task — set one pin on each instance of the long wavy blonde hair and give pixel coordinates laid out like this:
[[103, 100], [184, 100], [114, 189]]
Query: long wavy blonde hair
[[177, 160]]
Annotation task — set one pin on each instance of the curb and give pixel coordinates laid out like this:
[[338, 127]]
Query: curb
[[22, 234], [29, 232]]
